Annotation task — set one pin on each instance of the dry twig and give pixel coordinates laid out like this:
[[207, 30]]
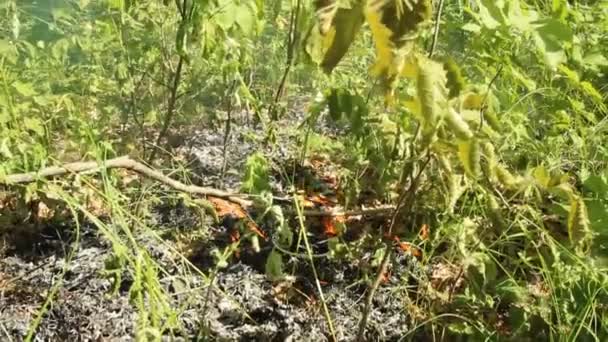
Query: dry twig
[[125, 162]]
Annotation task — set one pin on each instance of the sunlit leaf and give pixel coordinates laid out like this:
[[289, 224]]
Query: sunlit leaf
[[256, 177], [394, 27], [346, 26], [470, 157], [480, 264], [551, 36], [578, 223], [34, 125], [25, 89]]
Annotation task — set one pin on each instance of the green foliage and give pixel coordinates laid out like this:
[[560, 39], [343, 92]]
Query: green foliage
[[274, 265], [510, 50], [499, 145], [256, 175]]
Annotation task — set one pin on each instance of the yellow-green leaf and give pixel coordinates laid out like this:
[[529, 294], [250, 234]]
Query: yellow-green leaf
[[470, 157], [578, 223], [274, 265], [346, 25], [457, 125], [394, 25]]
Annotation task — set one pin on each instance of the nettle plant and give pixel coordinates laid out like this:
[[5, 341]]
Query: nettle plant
[[438, 126], [431, 150]]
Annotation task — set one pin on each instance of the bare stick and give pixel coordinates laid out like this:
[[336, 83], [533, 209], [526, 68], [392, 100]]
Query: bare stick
[[176, 81], [121, 163], [126, 162], [485, 97], [372, 291], [436, 33]]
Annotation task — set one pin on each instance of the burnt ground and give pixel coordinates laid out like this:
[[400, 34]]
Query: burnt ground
[[243, 304]]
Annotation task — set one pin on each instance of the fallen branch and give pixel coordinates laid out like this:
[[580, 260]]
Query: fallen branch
[[127, 163], [122, 163]]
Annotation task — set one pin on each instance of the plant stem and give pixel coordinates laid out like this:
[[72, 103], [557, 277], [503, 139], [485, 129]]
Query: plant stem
[[170, 109], [436, 32], [405, 202], [372, 291], [292, 38], [314, 269], [227, 130], [185, 17]]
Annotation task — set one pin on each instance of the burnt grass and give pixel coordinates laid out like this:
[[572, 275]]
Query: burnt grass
[[243, 304]]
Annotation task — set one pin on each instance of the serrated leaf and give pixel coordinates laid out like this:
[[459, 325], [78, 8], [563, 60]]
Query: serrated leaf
[[394, 25], [578, 223], [458, 125], [470, 156], [256, 177], [431, 91], [325, 10], [346, 25]]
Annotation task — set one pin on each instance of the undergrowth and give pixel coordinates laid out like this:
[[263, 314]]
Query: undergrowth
[[467, 138]]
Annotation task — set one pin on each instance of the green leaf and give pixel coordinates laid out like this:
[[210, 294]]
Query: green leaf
[[554, 31], [470, 27], [245, 18], [480, 264], [8, 50], [25, 89], [35, 125], [469, 153], [597, 184], [511, 292], [226, 18], [461, 328], [4, 116], [551, 35], [491, 14], [347, 23], [598, 215], [274, 265], [256, 177], [578, 223], [5, 150], [595, 59]]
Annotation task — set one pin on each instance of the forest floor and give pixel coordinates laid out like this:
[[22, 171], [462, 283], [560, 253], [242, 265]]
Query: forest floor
[[242, 303]]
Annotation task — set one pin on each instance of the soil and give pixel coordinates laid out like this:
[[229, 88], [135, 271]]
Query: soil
[[243, 304]]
